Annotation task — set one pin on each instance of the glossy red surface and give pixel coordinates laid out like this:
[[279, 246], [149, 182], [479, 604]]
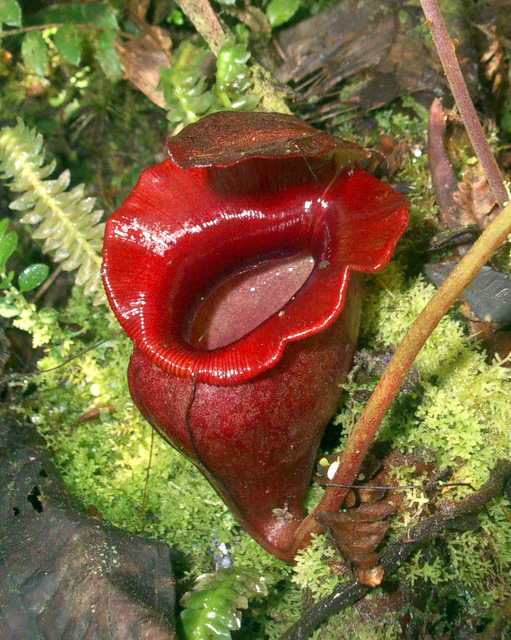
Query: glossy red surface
[[229, 270], [175, 238], [256, 441]]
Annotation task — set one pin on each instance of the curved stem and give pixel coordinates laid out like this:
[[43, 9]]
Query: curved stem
[[495, 235], [388, 387], [447, 54]]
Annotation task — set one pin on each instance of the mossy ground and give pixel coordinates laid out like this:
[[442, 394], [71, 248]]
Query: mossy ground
[[458, 414]]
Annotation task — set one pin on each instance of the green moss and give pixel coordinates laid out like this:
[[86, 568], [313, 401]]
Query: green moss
[[457, 413], [316, 576]]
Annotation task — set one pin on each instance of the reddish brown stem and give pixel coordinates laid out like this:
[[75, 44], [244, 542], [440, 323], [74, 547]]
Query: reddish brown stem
[[205, 20], [388, 387], [447, 54]]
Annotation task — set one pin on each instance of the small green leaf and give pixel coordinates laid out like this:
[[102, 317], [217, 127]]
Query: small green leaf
[[33, 276], [100, 14], [35, 52], [68, 43], [280, 11], [48, 315], [176, 17], [3, 226], [106, 54], [10, 13], [8, 243]]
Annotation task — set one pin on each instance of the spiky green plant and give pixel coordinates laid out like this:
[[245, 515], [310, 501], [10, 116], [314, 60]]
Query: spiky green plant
[[65, 220], [212, 608], [186, 90]]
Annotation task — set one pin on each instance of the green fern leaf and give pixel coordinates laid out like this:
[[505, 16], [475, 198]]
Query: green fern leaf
[[64, 220]]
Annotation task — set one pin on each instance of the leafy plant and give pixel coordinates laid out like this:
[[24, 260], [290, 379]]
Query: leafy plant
[[280, 11], [65, 81], [65, 220], [186, 89], [13, 303], [67, 37], [211, 609], [31, 277]]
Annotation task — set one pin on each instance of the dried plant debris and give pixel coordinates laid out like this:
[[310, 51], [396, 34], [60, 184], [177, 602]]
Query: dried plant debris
[[64, 576], [462, 203], [476, 200], [442, 174], [358, 34], [448, 516], [362, 526], [494, 63], [466, 208], [496, 12], [143, 56], [368, 367], [142, 59], [382, 42], [388, 157]]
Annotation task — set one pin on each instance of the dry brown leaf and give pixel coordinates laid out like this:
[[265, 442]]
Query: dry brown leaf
[[67, 576], [371, 577], [361, 527], [475, 198], [442, 173], [142, 59]]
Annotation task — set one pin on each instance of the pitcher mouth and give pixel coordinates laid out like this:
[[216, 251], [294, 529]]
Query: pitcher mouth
[[183, 232]]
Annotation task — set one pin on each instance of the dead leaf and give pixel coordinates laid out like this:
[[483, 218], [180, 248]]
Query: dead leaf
[[442, 173], [475, 198], [488, 297], [371, 577], [337, 43], [142, 59], [380, 44], [66, 576], [358, 531], [462, 204], [360, 528]]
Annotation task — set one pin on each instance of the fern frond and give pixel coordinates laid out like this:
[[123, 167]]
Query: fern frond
[[65, 221], [211, 609]]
